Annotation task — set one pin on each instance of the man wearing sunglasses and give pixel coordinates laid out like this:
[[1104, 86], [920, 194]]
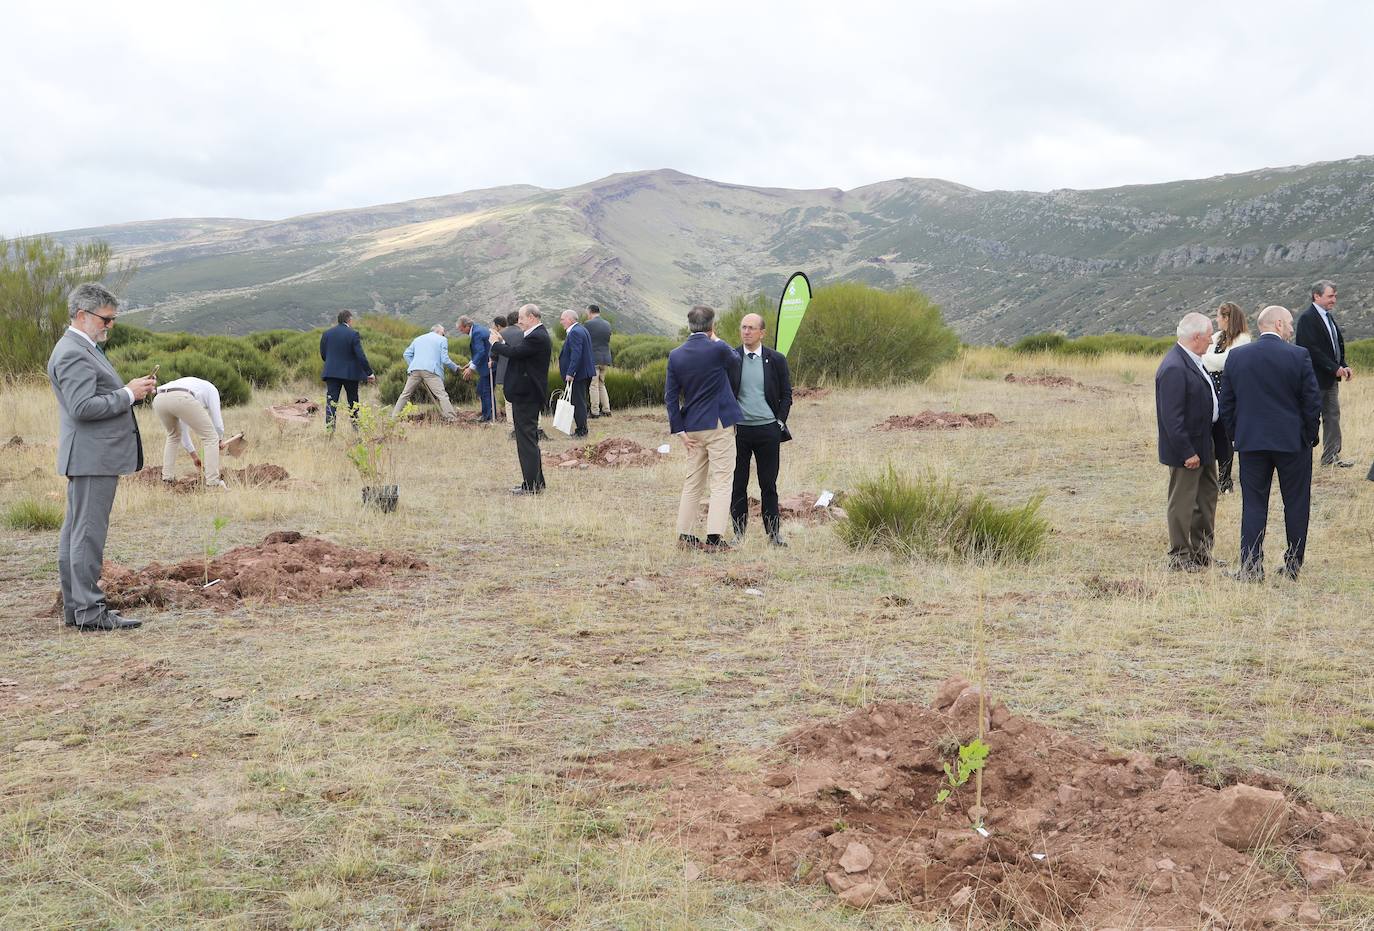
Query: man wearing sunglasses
[[97, 442]]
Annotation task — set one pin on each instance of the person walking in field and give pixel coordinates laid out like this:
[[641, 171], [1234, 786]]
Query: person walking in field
[[345, 364]]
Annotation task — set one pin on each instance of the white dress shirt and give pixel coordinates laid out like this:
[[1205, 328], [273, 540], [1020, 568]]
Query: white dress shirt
[[1197, 360], [1330, 330], [204, 392]]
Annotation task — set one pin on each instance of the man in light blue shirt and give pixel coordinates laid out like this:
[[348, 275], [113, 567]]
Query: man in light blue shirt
[[427, 357]]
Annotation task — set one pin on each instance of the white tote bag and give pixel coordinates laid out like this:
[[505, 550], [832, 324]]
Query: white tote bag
[[563, 414]]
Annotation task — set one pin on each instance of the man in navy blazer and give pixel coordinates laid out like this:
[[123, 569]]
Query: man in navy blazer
[[1317, 332], [1271, 405], [479, 362], [345, 364], [577, 365], [699, 392], [1187, 411]]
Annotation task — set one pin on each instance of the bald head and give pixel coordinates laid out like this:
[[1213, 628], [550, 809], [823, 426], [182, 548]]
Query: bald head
[[751, 331], [1275, 319]]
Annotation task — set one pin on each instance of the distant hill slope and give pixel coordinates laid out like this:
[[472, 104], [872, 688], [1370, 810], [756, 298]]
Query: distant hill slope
[[649, 244]]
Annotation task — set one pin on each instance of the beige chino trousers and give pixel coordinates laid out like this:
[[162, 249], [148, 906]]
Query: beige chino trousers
[[600, 398], [174, 408], [711, 463], [434, 384]]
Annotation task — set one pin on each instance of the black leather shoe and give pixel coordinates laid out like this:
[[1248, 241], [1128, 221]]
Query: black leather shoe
[[522, 490], [1245, 575], [688, 541], [1290, 573], [1339, 463], [110, 621], [776, 539]]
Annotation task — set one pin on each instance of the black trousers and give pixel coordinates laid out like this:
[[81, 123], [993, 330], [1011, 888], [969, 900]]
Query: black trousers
[[331, 400], [526, 423], [763, 444], [1295, 486], [581, 401]]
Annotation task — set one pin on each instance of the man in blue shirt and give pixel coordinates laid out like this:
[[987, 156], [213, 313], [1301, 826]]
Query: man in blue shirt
[[480, 355], [427, 357]]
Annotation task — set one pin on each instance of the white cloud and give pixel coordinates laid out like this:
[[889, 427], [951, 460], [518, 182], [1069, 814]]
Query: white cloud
[[148, 110]]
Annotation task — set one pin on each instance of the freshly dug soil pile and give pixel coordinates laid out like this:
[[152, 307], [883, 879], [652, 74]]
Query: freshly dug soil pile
[[611, 452], [809, 394], [301, 410], [802, 507], [285, 566], [15, 442], [937, 420], [1045, 381], [463, 418], [1078, 837], [264, 473]]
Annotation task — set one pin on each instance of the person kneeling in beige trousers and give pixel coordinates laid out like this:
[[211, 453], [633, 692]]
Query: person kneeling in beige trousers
[[190, 406]]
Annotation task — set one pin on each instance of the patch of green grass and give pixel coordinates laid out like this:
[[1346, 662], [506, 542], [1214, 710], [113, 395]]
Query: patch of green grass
[[33, 514]]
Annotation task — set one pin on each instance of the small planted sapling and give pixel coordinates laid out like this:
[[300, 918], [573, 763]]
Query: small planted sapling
[[972, 756]]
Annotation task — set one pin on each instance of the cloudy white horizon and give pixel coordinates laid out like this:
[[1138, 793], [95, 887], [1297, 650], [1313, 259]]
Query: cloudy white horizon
[[259, 110]]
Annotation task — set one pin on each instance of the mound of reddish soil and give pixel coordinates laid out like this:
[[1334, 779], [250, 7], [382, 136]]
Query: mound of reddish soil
[[611, 452], [264, 473], [813, 394], [285, 566], [937, 420], [1045, 381], [462, 418], [301, 410], [1076, 836]]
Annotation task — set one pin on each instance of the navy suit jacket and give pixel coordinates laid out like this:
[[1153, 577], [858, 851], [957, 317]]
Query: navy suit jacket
[[703, 379], [576, 358], [1183, 409], [479, 348], [1311, 334], [341, 348], [1269, 398]]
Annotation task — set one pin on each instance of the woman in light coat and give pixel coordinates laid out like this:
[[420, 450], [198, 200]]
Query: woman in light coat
[[1231, 332]]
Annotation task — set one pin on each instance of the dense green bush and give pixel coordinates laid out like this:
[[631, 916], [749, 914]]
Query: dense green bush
[[392, 327], [126, 334], [233, 388], [858, 335], [1360, 354], [641, 349], [936, 519], [33, 514], [1096, 345], [265, 340], [255, 366], [652, 379]]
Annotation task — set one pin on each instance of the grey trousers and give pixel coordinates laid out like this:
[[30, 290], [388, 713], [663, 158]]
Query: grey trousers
[[1331, 424], [1192, 514], [81, 547]]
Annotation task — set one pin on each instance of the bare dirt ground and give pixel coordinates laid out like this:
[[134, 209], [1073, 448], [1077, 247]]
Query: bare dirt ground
[[263, 473], [937, 420], [400, 755]]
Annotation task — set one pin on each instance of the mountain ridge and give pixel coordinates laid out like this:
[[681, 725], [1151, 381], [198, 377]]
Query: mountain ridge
[[647, 244]]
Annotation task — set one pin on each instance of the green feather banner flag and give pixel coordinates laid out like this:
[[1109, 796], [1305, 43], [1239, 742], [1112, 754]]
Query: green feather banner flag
[[791, 308]]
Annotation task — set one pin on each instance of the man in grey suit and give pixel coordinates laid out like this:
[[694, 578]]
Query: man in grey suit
[[600, 332], [97, 442]]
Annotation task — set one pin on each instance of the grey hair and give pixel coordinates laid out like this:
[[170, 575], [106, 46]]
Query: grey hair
[[569, 313], [465, 320], [1319, 287], [700, 319], [1193, 324], [89, 297], [1268, 318], [532, 310], [437, 328]]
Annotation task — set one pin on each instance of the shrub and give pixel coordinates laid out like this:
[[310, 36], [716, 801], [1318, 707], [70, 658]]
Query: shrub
[[1095, 345], [266, 340], [640, 350], [1040, 342], [858, 335], [1360, 354], [252, 364], [936, 519], [299, 355], [652, 380], [33, 514], [126, 334], [233, 389], [624, 390], [392, 327]]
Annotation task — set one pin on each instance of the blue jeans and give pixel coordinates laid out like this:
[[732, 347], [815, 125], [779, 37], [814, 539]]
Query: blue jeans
[[484, 394]]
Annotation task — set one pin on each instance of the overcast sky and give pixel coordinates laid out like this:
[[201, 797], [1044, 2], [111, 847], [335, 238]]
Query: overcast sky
[[144, 110]]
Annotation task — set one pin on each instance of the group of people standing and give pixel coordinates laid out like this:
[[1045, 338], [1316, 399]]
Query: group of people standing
[[1224, 395]]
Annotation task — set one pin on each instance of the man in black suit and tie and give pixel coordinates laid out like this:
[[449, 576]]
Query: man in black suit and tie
[[527, 380], [1318, 333], [1270, 404], [1186, 411], [765, 400]]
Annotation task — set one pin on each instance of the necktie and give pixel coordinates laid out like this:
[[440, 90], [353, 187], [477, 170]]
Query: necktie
[[751, 355], [1331, 328]]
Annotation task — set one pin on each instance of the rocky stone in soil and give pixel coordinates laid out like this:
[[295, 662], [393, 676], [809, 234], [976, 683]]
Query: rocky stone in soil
[[1078, 836], [937, 420], [285, 567]]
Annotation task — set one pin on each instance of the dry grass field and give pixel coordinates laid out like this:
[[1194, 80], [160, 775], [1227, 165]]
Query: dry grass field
[[393, 757]]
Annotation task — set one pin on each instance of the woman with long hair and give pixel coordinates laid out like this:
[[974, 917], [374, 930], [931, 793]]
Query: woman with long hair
[[1232, 331]]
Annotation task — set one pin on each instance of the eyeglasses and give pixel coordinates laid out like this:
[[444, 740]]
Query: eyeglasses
[[109, 321], [746, 326]]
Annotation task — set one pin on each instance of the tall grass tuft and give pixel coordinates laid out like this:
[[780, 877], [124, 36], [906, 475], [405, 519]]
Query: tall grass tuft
[[1099, 344], [934, 518], [33, 514]]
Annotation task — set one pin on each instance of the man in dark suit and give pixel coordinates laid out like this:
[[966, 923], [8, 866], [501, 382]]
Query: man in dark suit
[[1318, 333], [577, 365], [699, 392], [345, 364], [1270, 404], [479, 351], [600, 331], [527, 379], [1186, 412], [97, 442], [765, 400]]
